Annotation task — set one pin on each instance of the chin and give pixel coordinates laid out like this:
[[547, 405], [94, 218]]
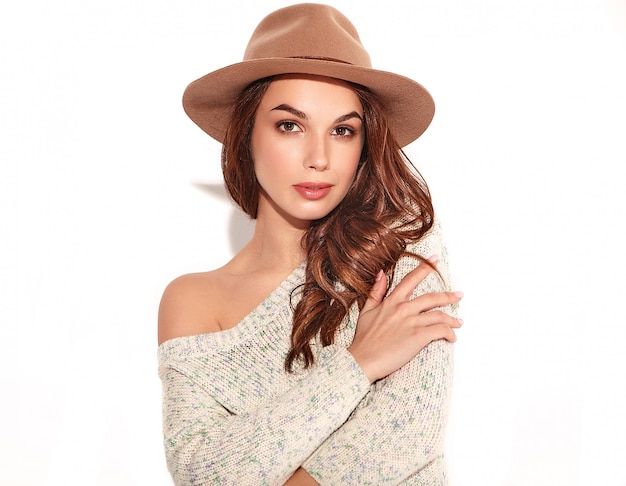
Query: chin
[[311, 216], [303, 214]]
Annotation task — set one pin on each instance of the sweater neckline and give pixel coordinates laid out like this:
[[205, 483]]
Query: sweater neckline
[[251, 322]]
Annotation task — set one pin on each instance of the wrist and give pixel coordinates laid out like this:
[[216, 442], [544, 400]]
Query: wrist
[[367, 367]]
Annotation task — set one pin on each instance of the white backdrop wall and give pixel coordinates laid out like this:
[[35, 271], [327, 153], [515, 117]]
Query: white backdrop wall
[[108, 191]]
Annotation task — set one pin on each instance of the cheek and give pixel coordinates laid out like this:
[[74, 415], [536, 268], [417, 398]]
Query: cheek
[[356, 151], [266, 159], [354, 157], [272, 155], [270, 163], [261, 151]]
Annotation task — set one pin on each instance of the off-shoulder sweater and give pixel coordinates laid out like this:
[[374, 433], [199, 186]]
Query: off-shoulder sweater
[[233, 416]]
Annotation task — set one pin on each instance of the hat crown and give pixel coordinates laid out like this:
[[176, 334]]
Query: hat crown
[[307, 31]]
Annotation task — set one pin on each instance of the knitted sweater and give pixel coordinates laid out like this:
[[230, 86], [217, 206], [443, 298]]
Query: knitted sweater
[[233, 416]]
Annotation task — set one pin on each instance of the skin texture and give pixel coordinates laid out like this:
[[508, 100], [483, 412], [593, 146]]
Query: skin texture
[[306, 142]]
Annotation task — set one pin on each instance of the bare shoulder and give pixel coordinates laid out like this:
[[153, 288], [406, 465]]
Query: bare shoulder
[[200, 303], [189, 306]]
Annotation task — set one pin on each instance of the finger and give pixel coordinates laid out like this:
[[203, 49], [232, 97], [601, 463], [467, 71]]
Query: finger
[[435, 318], [412, 279], [377, 292], [448, 334], [432, 300], [439, 331]]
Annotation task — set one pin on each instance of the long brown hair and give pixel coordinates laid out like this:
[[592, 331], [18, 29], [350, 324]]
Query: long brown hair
[[387, 207]]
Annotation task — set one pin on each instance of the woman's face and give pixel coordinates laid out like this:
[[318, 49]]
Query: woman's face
[[306, 144]]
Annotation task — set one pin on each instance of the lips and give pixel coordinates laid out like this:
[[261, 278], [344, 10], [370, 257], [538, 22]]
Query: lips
[[313, 190]]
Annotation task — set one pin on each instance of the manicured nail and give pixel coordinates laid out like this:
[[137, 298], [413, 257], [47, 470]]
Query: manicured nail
[[379, 275], [460, 322], [433, 258], [459, 294]]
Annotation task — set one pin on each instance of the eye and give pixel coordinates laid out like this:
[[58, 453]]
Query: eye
[[288, 126], [342, 132]]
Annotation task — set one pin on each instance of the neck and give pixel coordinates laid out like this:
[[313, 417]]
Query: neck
[[275, 247], [276, 242]]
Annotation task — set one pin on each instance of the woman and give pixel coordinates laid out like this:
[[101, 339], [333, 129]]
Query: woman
[[319, 353]]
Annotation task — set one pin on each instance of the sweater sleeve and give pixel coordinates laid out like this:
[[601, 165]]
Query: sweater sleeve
[[206, 443], [397, 435]]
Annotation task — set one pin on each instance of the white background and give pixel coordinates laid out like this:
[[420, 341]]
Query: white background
[[108, 191]]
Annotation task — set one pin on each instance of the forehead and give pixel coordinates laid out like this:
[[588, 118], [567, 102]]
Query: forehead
[[314, 93]]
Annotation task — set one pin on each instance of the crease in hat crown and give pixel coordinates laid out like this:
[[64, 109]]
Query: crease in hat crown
[[296, 32], [312, 39]]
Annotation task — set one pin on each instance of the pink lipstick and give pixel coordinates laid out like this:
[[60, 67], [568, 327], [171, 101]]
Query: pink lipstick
[[313, 190]]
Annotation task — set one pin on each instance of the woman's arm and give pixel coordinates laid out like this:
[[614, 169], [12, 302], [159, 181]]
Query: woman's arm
[[399, 432], [207, 444]]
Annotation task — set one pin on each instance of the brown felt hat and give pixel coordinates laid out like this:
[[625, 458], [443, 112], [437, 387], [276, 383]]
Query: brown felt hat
[[308, 39]]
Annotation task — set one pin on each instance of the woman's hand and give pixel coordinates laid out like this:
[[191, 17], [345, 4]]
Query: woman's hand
[[392, 330]]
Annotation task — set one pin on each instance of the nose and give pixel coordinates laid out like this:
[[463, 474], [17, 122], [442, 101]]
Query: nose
[[317, 156]]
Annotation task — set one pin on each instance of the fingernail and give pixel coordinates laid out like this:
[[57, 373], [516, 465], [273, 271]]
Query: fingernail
[[433, 258], [460, 322], [459, 294], [379, 275]]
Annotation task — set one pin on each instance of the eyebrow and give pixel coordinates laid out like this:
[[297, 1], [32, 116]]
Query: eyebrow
[[303, 116]]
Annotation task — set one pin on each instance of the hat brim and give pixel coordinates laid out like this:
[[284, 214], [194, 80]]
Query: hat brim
[[209, 100]]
